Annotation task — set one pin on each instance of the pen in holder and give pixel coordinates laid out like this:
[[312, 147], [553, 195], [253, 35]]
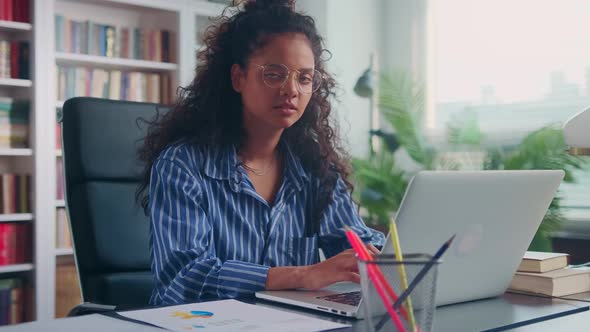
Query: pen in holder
[[422, 295]]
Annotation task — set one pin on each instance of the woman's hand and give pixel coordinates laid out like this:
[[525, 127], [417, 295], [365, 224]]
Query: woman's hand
[[342, 267]]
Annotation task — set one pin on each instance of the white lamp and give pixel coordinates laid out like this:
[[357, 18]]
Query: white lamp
[[576, 132]]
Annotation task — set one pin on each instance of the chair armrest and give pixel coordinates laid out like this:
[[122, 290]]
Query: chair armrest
[[90, 308]]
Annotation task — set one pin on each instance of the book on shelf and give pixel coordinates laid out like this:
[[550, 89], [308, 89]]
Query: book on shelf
[[93, 38], [535, 261], [15, 10], [14, 59], [4, 59], [15, 243], [59, 166], [112, 84], [63, 238], [15, 193], [561, 282], [67, 289], [12, 301], [58, 136], [14, 123]]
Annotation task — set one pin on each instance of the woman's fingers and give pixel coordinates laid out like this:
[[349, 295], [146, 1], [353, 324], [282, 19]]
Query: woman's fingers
[[352, 277], [373, 249]]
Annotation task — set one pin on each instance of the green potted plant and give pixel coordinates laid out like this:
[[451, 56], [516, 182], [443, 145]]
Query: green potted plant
[[381, 182]]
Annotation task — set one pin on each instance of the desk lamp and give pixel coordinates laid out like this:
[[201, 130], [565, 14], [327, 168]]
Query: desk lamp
[[576, 132], [365, 87]]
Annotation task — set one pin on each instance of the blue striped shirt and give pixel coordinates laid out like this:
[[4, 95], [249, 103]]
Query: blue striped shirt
[[213, 236]]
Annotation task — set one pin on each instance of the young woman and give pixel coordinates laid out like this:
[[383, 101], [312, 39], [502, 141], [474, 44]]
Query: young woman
[[245, 175]]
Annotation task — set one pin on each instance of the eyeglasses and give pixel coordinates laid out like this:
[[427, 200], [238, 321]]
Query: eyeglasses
[[276, 75]]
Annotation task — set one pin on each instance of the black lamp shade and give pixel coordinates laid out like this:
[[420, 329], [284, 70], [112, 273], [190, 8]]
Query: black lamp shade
[[364, 85]]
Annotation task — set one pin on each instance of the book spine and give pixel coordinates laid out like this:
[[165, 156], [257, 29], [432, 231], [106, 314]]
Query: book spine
[[3, 244]]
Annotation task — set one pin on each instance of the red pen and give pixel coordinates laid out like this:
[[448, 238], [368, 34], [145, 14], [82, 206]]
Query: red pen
[[376, 276]]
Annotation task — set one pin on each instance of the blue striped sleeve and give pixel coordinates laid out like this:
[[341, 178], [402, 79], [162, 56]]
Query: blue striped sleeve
[[184, 259], [343, 211]]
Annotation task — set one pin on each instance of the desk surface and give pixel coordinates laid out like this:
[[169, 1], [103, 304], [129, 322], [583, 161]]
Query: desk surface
[[90, 323], [472, 316], [489, 314]]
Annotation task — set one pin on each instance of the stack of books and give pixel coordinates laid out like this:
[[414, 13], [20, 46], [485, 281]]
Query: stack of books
[[12, 301], [93, 38], [15, 10], [112, 84], [14, 59], [15, 244], [548, 274], [14, 123]]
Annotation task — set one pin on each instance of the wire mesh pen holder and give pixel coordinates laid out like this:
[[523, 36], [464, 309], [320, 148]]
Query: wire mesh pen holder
[[407, 286]]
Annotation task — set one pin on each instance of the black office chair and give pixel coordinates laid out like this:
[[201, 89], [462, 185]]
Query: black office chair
[[110, 231]]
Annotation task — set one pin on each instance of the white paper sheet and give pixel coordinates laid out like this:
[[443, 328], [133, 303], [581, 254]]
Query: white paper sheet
[[229, 315]]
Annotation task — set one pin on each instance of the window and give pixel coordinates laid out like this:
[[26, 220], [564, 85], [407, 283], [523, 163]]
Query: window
[[514, 66]]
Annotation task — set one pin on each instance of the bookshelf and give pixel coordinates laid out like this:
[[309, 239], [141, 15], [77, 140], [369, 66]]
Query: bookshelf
[[16, 160], [12, 26], [179, 22], [118, 63], [64, 251], [16, 152], [16, 268], [15, 82], [5, 217]]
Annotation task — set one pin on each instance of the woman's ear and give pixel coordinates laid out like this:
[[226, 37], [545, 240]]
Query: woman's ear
[[237, 77]]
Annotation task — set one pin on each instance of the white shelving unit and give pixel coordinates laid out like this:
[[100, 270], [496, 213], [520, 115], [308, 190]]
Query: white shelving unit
[[19, 160], [185, 18], [16, 268], [113, 63], [15, 82], [15, 26], [64, 251], [16, 152], [16, 217]]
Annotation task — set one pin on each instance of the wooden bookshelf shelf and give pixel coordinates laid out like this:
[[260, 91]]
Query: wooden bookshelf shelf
[[16, 268], [15, 26], [16, 217], [16, 82], [115, 63], [15, 152], [64, 251]]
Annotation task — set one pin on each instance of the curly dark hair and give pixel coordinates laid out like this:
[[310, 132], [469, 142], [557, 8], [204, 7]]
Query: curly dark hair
[[209, 111]]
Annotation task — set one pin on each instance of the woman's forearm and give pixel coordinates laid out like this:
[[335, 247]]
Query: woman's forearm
[[286, 277], [342, 267]]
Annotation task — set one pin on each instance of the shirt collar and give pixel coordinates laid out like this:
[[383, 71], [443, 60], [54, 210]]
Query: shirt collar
[[221, 162], [294, 171]]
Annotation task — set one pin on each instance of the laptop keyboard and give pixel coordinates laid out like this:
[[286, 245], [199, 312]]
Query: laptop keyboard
[[351, 298]]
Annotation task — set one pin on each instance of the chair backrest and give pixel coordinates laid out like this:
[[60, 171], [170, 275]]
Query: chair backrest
[[110, 231]]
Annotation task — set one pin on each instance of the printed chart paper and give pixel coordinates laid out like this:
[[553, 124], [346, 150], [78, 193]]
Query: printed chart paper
[[229, 315]]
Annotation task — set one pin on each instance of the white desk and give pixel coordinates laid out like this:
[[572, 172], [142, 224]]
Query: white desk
[[472, 316], [90, 323]]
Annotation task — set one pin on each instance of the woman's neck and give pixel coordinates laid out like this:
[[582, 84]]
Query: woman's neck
[[260, 145]]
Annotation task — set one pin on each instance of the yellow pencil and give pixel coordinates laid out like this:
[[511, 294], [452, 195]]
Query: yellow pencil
[[402, 271]]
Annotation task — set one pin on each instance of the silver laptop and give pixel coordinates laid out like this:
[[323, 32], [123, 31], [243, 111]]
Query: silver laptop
[[494, 214]]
